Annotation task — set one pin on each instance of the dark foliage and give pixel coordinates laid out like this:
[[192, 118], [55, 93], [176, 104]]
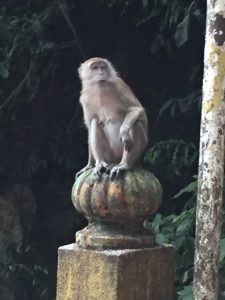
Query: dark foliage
[[157, 46]]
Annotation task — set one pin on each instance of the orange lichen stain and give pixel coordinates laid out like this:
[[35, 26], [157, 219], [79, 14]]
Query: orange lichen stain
[[216, 59], [100, 206], [83, 191], [99, 199], [114, 190]]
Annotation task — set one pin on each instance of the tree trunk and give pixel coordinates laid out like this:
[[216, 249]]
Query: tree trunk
[[211, 161]]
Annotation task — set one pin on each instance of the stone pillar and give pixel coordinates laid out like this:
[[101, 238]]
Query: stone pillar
[[127, 274], [115, 257]]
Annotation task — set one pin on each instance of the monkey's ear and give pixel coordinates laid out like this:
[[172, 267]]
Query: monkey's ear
[[80, 70]]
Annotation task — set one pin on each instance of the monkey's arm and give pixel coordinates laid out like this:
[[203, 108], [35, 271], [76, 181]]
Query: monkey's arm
[[134, 115]]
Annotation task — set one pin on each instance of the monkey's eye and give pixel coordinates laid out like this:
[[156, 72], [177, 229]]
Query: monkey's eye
[[94, 67], [103, 67]]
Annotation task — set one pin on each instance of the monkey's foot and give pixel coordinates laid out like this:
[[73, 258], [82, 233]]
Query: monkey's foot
[[100, 168], [88, 167], [118, 170]]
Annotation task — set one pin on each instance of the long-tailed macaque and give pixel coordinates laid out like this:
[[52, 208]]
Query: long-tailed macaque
[[116, 121]]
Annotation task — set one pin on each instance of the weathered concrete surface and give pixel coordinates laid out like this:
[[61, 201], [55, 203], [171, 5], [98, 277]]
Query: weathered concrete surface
[[131, 274]]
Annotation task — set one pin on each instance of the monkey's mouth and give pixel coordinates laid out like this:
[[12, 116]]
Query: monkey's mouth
[[102, 80]]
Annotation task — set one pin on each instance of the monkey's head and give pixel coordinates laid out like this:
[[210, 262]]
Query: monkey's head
[[97, 69]]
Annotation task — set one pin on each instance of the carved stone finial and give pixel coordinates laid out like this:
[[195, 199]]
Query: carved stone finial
[[116, 209]]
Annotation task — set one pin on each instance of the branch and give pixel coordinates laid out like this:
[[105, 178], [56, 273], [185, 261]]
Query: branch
[[72, 28], [16, 91]]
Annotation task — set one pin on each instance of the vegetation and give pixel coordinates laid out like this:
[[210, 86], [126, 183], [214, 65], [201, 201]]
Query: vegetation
[[158, 48]]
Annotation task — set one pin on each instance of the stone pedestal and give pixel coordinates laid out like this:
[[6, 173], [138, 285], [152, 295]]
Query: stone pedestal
[[115, 257], [128, 274]]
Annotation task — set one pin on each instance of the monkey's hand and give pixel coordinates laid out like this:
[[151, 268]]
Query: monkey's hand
[[88, 167], [126, 138]]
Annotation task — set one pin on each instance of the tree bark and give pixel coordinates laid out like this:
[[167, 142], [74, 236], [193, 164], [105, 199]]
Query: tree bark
[[211, 160]]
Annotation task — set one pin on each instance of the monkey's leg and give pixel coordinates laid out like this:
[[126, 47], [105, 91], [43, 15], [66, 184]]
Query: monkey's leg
[[100, 147], [131, 158], [90, 164]]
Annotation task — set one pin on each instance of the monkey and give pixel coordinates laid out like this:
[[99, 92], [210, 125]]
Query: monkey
[[116, 121]]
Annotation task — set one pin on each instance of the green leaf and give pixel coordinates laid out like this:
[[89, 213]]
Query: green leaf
[[169, 104], [197, 12], [179, 242], [191, 187], [4, 72], [185, 277], [183, 227], [186, 293], [161, 239], [48, 45], [200, 17], [182, 31], [191, 7], [36, 25], [157, 222]]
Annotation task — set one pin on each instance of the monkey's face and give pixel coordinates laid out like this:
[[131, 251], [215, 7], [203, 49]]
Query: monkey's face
[[96, 71], [99, 71]]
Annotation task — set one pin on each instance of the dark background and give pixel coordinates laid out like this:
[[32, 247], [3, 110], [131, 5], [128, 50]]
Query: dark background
[[157, 47]]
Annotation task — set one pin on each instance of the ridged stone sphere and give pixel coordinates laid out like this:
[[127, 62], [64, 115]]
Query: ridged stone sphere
[[128, 199]]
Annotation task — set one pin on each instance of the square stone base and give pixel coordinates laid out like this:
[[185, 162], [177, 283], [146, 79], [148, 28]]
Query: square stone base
[[130, 274]]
